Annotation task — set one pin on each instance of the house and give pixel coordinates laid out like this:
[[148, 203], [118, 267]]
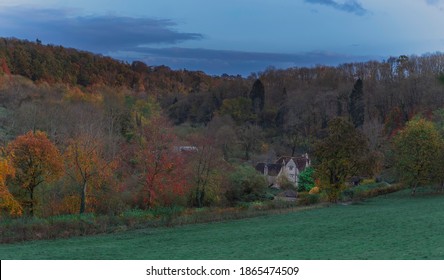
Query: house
[[290, 167], [186, 149]]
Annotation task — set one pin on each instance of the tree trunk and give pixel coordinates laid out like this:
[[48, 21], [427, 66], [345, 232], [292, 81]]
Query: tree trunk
[[31, 205], [83, 198], [414, 189]]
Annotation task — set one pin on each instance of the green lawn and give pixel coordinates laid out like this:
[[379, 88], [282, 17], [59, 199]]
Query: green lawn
[[395, 226]]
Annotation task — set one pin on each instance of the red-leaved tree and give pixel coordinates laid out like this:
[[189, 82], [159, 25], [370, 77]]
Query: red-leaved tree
[[159, 166]]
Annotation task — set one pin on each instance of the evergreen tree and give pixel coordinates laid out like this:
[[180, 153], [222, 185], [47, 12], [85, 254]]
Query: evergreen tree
[[257, 96], [356, 104]]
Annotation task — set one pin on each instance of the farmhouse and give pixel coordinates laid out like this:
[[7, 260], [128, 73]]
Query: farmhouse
[[290, 167]]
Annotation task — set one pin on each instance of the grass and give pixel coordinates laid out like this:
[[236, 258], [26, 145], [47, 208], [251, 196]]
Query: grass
[[395, 226]]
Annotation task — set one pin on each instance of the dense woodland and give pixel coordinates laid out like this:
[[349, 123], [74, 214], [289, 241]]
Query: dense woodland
[[81, 132]]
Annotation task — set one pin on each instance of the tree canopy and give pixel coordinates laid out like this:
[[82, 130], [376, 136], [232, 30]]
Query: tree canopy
[[35, 160], [340, 155], [417, 149]]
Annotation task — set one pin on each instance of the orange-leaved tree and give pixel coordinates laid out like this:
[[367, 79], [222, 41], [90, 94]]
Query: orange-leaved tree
[[87, 166], [7, 200], [36, 160]]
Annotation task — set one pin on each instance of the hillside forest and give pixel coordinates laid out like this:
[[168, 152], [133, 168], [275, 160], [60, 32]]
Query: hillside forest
[[85, 133]]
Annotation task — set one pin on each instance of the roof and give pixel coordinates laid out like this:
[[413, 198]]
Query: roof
[[273, 168], [301, 161]]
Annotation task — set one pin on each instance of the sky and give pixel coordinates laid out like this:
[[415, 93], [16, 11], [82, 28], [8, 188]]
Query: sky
[[232, 36]]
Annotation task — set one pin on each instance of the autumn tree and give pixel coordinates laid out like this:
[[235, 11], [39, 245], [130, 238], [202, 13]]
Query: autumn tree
[[7, 200], [340, 155], [159, 165], [86, 165], [438, 121], [36, 160], [207, 167], [417, 151]]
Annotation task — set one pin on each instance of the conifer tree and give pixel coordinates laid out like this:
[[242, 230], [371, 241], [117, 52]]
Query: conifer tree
[[356, 104]]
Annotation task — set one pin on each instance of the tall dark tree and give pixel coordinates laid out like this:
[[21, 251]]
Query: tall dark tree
[[356, 104], [257, 96]]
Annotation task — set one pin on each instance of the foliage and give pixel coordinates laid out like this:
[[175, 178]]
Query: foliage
[[340, 155], [36, 160], [356, 104], [246, 184], [87, 167], [306, 180], [7, 200], [159, 166], [417, 149], [284, 183], [315, 190], [308, 198], [206, 170], [71, 95], [250, 138], [367, 191], [238, 108], [257, 96]]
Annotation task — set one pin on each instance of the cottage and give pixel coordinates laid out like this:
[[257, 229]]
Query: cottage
[[290, 167]]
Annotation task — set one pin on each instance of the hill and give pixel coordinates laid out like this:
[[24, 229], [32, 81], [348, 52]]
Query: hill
[[57, 64]]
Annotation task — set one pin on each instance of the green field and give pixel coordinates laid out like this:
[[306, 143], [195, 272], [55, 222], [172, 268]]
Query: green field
[[395, 226]]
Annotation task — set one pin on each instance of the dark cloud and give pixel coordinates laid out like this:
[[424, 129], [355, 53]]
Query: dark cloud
[[217, 62], [350, 6], [95, 33], [148, 40]]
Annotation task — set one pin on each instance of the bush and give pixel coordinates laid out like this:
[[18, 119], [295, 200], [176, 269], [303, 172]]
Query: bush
[[369, 190], [308, 199], [285, 184], [246, 184], [315, 190], [368, 181]]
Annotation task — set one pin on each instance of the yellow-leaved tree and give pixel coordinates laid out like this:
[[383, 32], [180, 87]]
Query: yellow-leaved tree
[[87, 167], [7, 200], [35, 160]]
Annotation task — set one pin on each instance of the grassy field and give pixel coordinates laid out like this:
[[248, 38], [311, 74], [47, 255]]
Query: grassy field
[[395, 226]]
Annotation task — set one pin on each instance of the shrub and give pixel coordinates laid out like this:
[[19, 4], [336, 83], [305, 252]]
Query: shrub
[[370, 190], [285, 184], [306, 180], [314, 190], [368, 181], [308, 199], [246, 184]]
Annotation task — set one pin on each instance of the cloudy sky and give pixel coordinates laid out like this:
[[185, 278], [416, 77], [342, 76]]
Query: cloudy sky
[[232, 36]]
